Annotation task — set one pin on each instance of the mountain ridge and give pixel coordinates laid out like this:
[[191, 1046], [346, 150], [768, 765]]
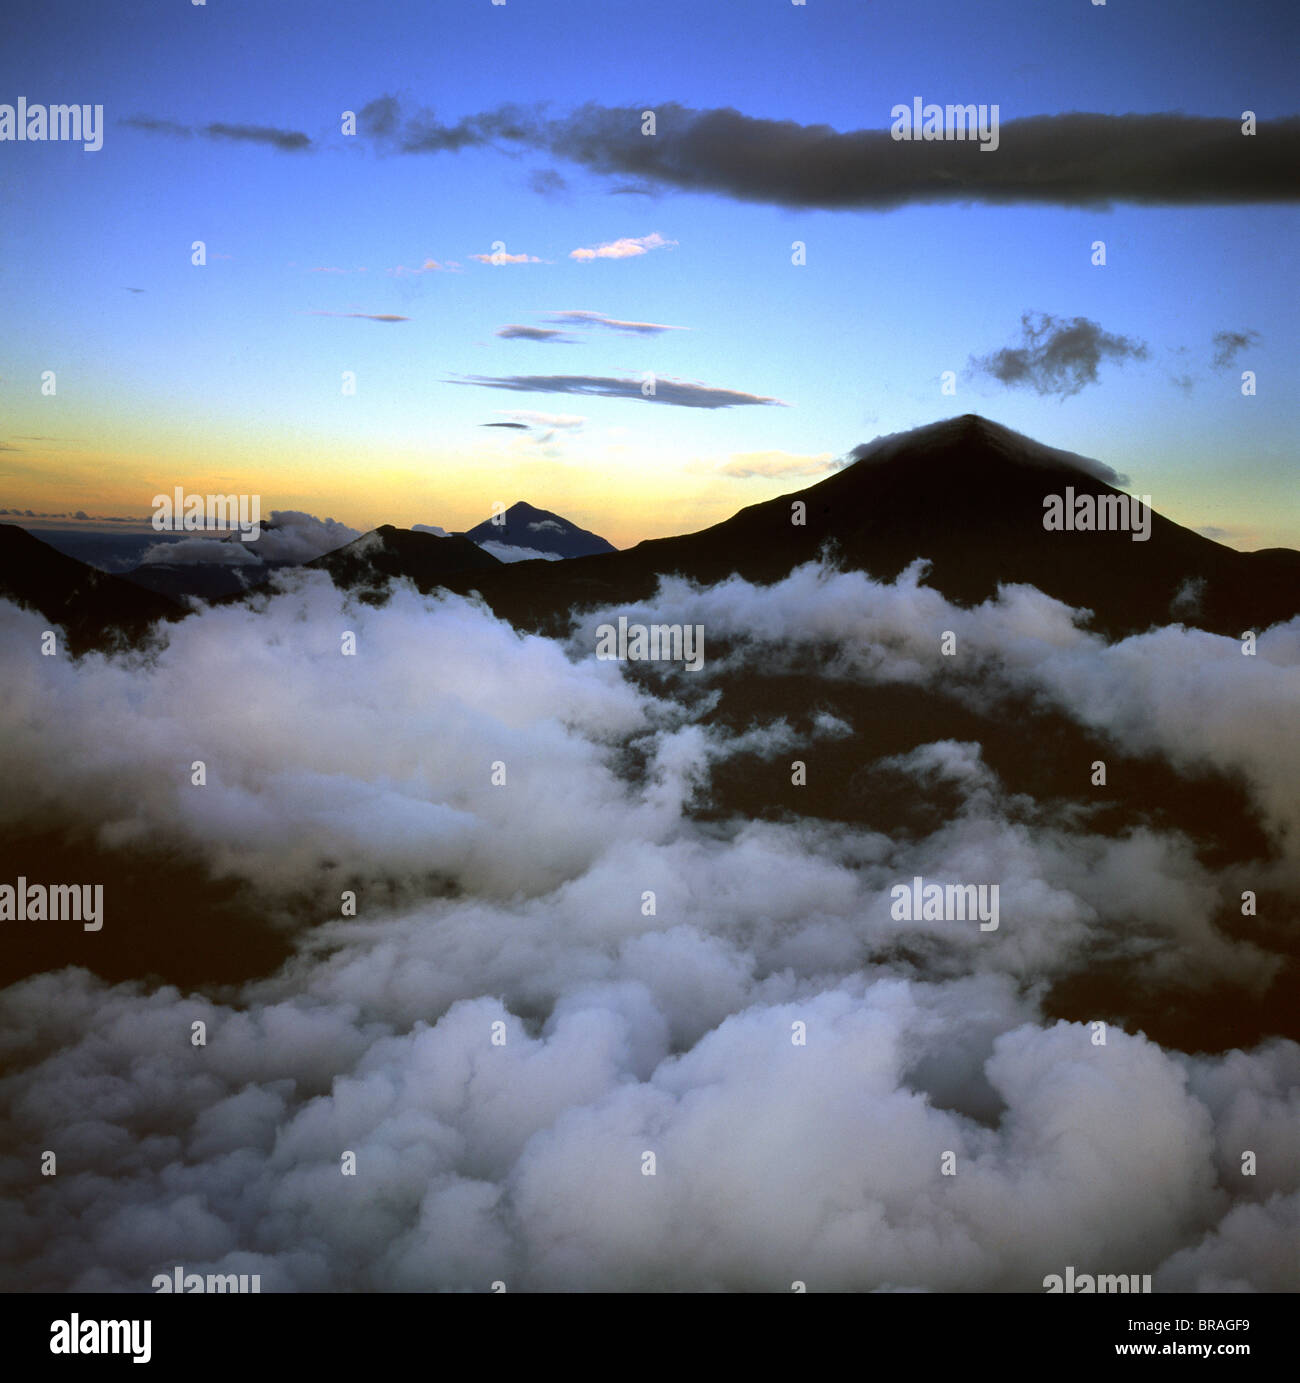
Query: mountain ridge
[[964, 494]]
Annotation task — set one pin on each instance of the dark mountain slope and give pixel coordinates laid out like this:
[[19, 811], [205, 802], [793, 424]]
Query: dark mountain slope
[[375, 558], [967, 495], [97, 610]]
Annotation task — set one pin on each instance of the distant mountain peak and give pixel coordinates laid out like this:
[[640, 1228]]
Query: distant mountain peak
[[523, 525], [375, 558], [969, 497]]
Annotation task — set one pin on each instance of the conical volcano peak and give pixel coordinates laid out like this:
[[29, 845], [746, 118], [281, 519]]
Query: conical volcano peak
[[536, 530], [972, 441]]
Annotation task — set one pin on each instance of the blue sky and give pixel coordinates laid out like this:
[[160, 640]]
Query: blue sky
[[226, 375]]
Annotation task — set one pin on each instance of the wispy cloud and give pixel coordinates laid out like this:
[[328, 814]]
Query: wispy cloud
[[421, 132], [364, 316], [288, 141], [777, 465], [1229, 344], [524, 417], [79, 515], [548, 182], [540, 432], [430, 266], [598, 319], [514, 332], [681, 393], [501, 257], [627, 248], [156, 126], [291, 141], [1057, 356]]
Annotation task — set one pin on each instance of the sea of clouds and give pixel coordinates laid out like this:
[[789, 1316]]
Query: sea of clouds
[[627, 1033]]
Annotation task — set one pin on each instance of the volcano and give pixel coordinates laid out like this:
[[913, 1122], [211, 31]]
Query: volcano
[[539, 530], [966, 495]]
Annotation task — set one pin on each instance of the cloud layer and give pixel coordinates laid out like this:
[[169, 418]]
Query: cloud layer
[[294, 536], [628, 1031]]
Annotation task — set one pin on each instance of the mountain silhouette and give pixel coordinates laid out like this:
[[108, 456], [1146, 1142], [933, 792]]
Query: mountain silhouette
[[372, 560], [206, 580], [524, 526], [968, 496], [95, 609]]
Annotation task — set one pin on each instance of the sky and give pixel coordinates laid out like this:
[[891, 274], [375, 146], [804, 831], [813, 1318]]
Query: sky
[[223, 123], [373, 777]]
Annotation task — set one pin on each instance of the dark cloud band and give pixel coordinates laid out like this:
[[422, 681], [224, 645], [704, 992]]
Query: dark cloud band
[[674, 391], [1075, 159], [289, 141], [1078, 159], [1057, 356]]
